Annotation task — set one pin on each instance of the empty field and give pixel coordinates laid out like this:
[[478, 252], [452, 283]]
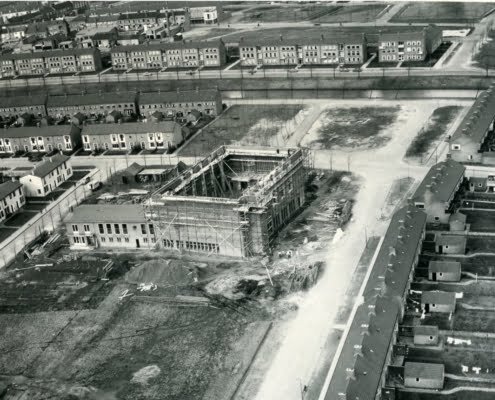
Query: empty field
[[438, 12], [353, 13], [434, 129], [287, 13], [351, 128], [258, 125]]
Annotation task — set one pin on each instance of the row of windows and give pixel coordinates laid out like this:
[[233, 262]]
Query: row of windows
[[193, 246]]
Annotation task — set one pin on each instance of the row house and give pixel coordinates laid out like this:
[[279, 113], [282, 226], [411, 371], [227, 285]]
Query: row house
[[46, 29], [11, 198], [137, 21], [104, 225], [15, 106], [42, 139], [181, 103], [51, 61], [414, 45], [45, 177], [105, 20], [166, 135], [92, 105], [313, 51], [170, 55]]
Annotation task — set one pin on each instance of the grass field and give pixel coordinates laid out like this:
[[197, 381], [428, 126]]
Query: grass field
[[485, 57], [287, 13], [353, 13], [351, 128], [480, 245], [438, 12], [481, 221], [260, 125], [434, 129]]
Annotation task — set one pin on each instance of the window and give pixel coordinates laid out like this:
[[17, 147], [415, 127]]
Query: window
[[110, 239], [103, 240], [143, 229], [124, 229], [86, 228], [151, 229], [109, 229], [100, 228], [145, 240], [117, 228], [126, 239], [75, 228]]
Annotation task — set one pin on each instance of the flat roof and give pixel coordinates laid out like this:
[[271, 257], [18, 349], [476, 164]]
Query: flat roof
[[8, 187], [458, 217], [153, 171], [423, 370], [426, 330], [126, 213], [441, 181], [49, 164], [437, 297], [451, 240], [444, 266], [477, 121]]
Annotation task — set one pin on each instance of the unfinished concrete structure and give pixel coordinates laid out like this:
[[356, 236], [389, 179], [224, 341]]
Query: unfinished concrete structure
[[233, 202]]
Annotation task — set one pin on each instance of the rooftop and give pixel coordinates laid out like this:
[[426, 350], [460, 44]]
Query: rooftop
[[21, 101], [423, 370], [183, 96], [127, 213], [8, 187], [92, 98], [437, 297], [426, 330], [450, 240], [324, 38], [169, 46], [132, 128], [48, 165], [32, 131], [478, 119], [49, 53], [441, 181], [444, 266], [458, 217]]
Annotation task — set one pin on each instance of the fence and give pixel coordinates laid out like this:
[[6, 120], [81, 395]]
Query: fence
[[47, 220]]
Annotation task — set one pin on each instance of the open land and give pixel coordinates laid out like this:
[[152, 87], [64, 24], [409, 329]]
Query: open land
[[439, 12]]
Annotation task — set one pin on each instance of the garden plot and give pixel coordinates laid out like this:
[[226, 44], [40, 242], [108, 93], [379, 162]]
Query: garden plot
[[248, 125]]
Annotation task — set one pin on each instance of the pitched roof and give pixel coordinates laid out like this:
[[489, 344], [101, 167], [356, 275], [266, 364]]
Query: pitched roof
[[182, 96], [48, 165], [44, 131], [8, 187], [423, 370], [126, 213], [91, 98], [133, 169], [437, 297], [22, 101], [397, 253], [312, 39], [477, 121], [169, 46], [444, 266], [426, 330], [441, 181], [132, 128]]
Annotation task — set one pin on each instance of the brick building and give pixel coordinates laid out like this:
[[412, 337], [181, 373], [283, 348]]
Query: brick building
[[414, 45], [15, 106], [92, 104], [318, 50], [51, 61], [165, 135], [181, 103], [177, 54], [42, 139]]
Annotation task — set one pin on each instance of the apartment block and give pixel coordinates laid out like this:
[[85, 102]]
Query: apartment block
[[92, 104], [11, 198], [170, 55], [181, 103], [165, 135], [414, 45], [51, 61], [47, 176], [15, 106], [313, 51], [43, 139]]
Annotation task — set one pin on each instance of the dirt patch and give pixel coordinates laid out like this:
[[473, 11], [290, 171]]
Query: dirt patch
[[436, 127], [164, 272], [437, 12], [352, 128]]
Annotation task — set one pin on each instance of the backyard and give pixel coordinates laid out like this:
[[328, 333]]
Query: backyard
[[258, 125], [485, 57], [434, 129], [351, 128], [438, 12]]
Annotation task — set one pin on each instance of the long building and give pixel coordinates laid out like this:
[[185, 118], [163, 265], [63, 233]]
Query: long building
[[231, 203], [362, 366], [169, 55], [321, 50], [11, 198], [50, 61], [15, 106]]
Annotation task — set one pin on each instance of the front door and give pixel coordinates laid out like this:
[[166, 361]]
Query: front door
[[137, 243], [434, 276]]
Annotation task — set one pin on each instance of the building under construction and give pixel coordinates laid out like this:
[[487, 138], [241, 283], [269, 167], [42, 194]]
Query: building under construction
[[231, 203]]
